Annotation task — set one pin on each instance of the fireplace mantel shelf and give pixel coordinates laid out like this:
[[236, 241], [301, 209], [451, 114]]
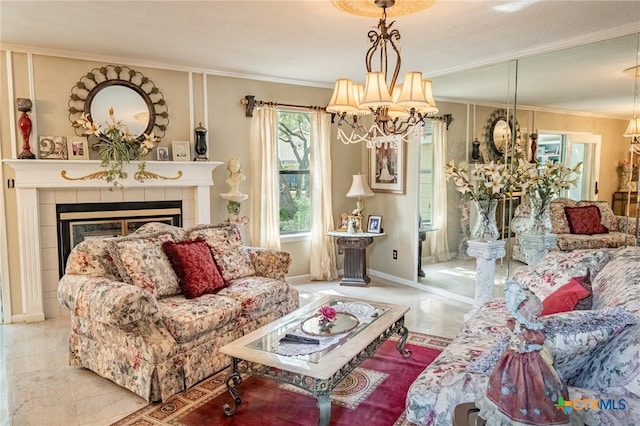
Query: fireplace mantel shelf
[[85, 174]]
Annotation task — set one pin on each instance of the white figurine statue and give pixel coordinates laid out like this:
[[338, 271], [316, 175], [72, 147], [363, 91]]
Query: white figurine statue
[[235, 177]]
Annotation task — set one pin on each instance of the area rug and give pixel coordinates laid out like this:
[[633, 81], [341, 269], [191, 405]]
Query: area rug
[[372, 394]]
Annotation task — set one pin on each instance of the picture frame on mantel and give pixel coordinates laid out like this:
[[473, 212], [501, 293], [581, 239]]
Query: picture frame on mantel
[[78, 148], [387, 165], [181, 150]]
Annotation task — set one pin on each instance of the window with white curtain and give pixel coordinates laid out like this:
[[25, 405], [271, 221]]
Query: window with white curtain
[[426, 176], [294, 156]]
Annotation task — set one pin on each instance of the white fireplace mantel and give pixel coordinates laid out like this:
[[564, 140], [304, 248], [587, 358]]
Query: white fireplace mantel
[[34, 175]]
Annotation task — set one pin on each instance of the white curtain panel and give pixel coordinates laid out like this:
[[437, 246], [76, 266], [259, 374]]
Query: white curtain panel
[[323, 256], [264, 214], [439, 237]]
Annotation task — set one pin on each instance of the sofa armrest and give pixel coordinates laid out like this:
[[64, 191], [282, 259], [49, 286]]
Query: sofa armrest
[[626, 224], [270, 263], [103, 300]]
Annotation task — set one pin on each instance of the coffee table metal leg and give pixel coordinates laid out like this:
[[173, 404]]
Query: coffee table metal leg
[[324, 404], [233, 380], [404, 333]]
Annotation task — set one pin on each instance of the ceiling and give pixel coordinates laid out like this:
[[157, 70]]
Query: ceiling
[[463, 46]]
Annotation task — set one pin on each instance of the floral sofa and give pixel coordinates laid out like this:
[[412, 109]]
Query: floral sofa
[[133, 321], [620, 230], [596, 351]]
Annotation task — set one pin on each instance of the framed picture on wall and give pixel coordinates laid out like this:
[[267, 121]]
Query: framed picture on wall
[[181, 150], [387, 165], [78, 148]]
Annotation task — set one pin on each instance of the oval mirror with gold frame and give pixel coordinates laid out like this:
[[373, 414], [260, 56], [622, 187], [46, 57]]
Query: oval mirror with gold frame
[[135, 99], [499, 134]]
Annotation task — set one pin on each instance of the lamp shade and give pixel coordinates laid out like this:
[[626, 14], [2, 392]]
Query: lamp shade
[[412, 95], [359, 187], [394, 111], [633, 131], [376, 93], [431, 108], [343, 99]]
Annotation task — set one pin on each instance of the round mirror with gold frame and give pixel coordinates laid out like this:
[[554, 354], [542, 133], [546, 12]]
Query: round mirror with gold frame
[[136, 101], [499, 134]]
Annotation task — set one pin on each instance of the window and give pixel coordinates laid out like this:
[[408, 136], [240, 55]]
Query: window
[[426, 176], [294, 152]]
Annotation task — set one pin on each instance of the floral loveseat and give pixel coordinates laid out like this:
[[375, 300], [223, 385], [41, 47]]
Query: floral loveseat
[[596, 351], [132, 321], [620, 231]]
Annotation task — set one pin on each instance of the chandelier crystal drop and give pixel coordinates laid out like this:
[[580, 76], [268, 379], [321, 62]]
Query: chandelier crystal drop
[[399, 111]]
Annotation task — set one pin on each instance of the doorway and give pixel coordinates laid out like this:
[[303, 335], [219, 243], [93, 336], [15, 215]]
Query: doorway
[[585, 149]]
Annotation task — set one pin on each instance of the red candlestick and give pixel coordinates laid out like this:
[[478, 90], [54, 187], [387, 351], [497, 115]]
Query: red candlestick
[[24, 123]]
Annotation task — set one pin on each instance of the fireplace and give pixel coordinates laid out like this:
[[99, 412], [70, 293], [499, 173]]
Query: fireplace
[[77, 222], [41, 185]]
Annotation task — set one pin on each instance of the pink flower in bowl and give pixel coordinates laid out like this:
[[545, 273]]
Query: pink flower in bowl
[[328, 313]]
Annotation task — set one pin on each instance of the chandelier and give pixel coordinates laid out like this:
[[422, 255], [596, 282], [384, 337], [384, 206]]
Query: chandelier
[[399, 111]]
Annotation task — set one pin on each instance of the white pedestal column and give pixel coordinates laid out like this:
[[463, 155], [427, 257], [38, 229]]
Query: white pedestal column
[[535, 246], [486, 254]]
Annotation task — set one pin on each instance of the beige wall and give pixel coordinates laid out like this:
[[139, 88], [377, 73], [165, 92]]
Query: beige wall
[[228, 135]]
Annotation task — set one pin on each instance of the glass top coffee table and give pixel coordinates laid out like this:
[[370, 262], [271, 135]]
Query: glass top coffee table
[[315, 356]]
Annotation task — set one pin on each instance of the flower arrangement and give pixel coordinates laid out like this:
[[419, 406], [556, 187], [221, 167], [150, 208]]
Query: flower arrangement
[[549, 180], [494, 180], [624, 166], [116, 146]]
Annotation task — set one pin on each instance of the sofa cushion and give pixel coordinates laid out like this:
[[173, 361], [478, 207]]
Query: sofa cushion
[[616, 284], [559, 223], [193, 264], [607, 217], [227, 248], [564, 298], [141, 262], [558, 267], [255, 293], [176, 232], [187, 319], [615, 367], [585, 220], [92, 257], [570, 242]]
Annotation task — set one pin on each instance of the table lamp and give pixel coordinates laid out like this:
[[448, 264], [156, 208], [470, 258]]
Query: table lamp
[[359, 188]]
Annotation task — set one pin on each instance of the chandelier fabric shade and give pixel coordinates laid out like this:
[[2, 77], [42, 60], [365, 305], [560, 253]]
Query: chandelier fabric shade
[[396, 109], [633, 130]]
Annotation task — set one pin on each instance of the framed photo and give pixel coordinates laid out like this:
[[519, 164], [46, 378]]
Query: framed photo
[[78, 148], [387, 165], [374, 224], [162, 153], [343, 223], [53, 147], [181, 150]]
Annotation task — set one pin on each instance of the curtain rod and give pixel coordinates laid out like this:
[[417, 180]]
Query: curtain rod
[[250, 102]]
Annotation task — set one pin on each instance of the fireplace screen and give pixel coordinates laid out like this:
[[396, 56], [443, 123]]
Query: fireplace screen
[[78, 222]]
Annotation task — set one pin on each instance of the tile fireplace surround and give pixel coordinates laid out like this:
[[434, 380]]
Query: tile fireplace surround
[[41, 184]]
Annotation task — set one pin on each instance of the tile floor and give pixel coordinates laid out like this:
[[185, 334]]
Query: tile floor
[[37, 387]]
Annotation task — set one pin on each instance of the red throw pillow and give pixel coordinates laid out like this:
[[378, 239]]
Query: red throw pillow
[[565, 298], [585, 220], [194, 265]]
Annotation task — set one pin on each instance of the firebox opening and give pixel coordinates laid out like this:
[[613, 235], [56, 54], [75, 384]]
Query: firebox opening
[[77, 222]]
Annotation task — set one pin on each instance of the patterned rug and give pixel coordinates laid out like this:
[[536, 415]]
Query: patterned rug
[[372, 394]]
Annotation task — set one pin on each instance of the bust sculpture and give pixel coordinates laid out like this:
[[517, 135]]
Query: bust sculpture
[[235, 178]]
